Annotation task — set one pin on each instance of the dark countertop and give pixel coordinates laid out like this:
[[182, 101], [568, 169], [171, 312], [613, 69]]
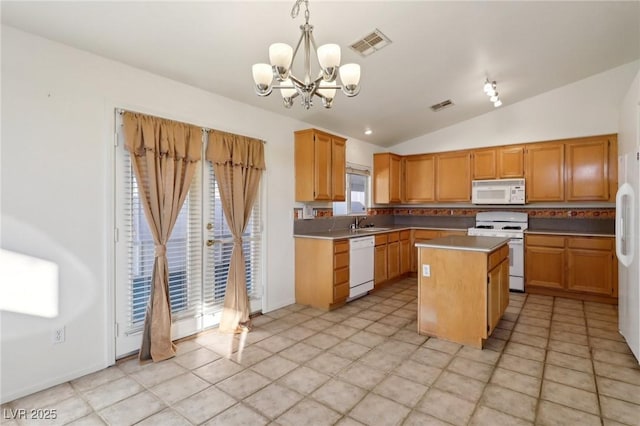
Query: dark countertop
[[362, 232]]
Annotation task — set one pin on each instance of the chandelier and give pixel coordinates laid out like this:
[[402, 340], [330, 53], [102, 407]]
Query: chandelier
[[324, 86]]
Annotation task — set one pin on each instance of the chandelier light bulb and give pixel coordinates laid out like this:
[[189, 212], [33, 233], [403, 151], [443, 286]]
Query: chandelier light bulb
[[494, 98], [487, 86], [329, 55], [350, 77], [280, 56], [287, 89], [262, 76]]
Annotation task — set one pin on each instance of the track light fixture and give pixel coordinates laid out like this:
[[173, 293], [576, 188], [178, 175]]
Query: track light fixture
[[490, 89]]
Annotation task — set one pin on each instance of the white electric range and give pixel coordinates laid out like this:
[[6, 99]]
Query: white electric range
[[510, 225]]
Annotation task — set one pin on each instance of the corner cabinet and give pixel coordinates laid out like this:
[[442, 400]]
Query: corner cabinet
[[320, 166], [387, 178], [323, 283], [588, 164], [579, 267]]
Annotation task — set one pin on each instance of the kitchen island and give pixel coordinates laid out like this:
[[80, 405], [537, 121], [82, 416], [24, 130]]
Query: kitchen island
[[463, 287]]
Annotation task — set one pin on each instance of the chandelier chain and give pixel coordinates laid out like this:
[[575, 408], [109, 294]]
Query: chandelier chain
[[296, 10]]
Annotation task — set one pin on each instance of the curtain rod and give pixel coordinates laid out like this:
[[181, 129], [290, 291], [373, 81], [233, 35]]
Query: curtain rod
[[204, 129]]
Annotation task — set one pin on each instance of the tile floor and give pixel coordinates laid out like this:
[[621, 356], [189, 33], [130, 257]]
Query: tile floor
[[551, 361]]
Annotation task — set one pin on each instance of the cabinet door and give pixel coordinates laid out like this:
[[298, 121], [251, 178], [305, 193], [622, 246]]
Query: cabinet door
[[504, 286], [587, 168], [405, 256], [544, 266], [321, 167], [590, 271], [453, 176], [393, 260], [493, 298], [484, 164], [387, 175], [395, 169], [380, 264], [419, 178], [338, 169], [511, 162], [544, 169]]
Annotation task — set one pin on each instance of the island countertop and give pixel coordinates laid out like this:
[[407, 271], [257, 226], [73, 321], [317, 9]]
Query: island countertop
[[465, 242]]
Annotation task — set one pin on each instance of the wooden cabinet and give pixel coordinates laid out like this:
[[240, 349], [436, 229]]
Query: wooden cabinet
[[393, 255], [545, 261], [387, 178], [320, 167], [587, 169], [419, 178], [405, 252], [511, 161], [323, 283], [485, 164], [463, 297], [421, 235], [380, 260], [571, 266], [453, 176], [544, 172]]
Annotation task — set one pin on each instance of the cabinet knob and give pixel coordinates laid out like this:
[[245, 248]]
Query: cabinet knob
[[209, 243]]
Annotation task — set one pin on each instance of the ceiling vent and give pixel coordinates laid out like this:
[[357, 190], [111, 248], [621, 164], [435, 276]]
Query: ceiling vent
[[442, 105], [371, 43]]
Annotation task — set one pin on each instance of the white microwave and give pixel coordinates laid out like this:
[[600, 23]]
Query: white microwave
[[498, 191]]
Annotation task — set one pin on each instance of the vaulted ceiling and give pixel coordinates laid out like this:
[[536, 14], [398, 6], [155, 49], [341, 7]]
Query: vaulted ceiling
[[439, 50]]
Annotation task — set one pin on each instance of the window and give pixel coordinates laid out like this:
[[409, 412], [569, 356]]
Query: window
[[197, 270], [356, 194]]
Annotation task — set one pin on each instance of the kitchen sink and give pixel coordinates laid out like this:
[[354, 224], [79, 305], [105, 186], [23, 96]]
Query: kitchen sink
[[371, 229]]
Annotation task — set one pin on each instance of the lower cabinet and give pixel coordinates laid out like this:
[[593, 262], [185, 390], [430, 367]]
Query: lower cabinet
[[571, 266], [392, 256], [497, 292], [419, 235], [323, 283]]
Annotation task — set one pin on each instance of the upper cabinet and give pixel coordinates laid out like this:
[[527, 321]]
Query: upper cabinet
[[320, 161], [419, 178], [453, 176], [511, 162], [544, 166], [587, 169], [498, 163], [387, 178], [568, 170], [485, 164]]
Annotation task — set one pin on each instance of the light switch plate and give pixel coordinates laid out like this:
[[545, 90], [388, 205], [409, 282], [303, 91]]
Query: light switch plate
[[426, 270]]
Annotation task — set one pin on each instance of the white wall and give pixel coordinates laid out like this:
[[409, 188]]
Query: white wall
[[586, 107], [56, 169]]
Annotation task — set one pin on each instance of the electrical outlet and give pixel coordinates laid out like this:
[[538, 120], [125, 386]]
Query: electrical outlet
[[58, 335], [426, 270]]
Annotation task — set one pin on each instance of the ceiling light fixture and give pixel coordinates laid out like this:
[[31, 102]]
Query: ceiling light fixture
[[490, 88], [281, 56], [368, 132]]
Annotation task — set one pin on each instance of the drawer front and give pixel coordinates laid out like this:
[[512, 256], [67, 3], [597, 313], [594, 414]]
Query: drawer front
[[498, 256], [393, 237], [593, 243], [341, 276], [341, 291], [381, 239], [341, 260], [404, 235], [341, 246], [425, 234], [545, 240], [450, 233]]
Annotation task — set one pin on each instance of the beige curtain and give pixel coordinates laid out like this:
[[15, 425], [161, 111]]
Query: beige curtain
[[165, 155], [238, 163]]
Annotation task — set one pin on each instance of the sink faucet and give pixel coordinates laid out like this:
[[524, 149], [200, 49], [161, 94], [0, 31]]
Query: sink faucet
[[358, 221]]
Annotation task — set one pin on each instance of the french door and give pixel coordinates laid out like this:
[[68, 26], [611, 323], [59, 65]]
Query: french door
[[198, 253]]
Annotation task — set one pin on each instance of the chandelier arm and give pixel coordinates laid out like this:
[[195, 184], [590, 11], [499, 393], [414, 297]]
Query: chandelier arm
[[295, 51], [296, 81]]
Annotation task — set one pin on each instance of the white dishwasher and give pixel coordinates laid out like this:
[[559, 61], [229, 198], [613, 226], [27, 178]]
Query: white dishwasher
[[360, 266]]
